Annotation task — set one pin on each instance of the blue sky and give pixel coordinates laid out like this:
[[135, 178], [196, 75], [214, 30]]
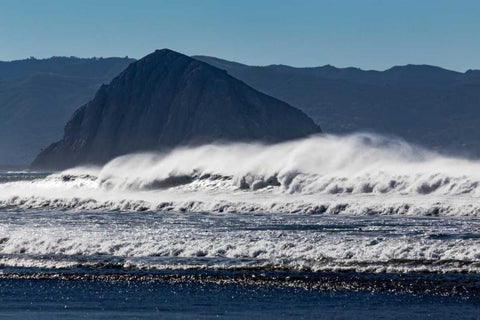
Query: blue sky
[[371, 34]]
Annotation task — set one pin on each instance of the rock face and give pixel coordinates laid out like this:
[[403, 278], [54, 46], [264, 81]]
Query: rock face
[[166, 100], [423, 104]]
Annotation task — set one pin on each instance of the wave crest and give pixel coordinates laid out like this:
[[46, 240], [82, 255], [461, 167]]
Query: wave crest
[[362, 163], [327, 174]]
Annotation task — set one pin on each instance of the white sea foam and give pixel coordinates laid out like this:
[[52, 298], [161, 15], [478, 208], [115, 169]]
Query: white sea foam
[[357, 174], [183, 241]]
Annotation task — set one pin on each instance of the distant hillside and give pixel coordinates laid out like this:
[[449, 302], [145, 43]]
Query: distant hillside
[[103, 68], [428, 105], [166, 100], [37, 97]]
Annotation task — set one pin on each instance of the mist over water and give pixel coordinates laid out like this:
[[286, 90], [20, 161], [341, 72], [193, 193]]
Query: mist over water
[[356, 174], [325, 164]]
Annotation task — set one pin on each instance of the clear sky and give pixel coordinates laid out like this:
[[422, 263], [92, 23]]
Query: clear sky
[[370, 34]]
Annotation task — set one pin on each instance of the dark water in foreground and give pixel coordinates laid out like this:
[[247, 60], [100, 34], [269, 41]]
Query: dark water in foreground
[[124, 299]]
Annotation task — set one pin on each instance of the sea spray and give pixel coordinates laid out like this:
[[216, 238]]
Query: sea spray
[[355, 174]]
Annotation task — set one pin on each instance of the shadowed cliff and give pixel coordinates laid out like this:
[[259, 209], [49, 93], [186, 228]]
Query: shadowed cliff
[[166, 100]]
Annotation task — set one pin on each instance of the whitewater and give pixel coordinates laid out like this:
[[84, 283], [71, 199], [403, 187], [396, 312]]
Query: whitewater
[[358, 203], [360, 174]]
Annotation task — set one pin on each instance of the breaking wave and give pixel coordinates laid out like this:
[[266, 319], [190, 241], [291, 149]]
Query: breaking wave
[[355, 174], [173, 241]]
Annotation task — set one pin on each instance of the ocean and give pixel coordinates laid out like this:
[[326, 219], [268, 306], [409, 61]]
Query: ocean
[[321, 228]]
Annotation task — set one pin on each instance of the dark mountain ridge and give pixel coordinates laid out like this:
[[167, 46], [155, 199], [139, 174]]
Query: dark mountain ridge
[[37, 97], [410, 74], [427, 105], [165, 100], [105, 68]]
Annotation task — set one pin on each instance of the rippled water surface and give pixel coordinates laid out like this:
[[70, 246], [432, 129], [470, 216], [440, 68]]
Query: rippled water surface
[[81, 299]]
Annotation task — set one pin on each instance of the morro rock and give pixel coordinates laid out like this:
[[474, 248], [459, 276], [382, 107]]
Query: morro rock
[[166, 100]]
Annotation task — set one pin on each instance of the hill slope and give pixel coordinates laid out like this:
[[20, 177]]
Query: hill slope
[[105, 68], [428, 105], [37, 97], [165, 100]]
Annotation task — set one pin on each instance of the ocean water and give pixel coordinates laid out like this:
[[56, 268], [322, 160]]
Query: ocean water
[[127, 299], [325, 227]]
